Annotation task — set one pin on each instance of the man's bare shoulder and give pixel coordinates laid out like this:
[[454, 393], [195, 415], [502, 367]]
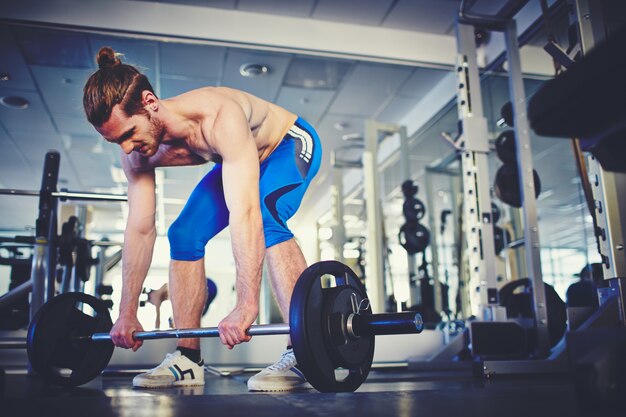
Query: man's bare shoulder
[[212, 93]]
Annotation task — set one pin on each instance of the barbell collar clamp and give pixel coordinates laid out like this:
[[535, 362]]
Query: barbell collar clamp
[[358, 325]]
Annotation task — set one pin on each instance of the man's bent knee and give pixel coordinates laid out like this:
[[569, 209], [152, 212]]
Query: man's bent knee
[[185, 244]]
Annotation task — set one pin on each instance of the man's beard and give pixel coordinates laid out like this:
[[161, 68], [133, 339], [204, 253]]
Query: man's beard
[[157, 131]]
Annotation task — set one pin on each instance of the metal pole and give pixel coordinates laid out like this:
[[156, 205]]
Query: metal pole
[[81, 215], [44, 262], [527, 187], [607, 187], [68, 195], [15, 294], [414, 284], [339, 235], [459, 249], [434, 240], [374, 255], [477, 214]]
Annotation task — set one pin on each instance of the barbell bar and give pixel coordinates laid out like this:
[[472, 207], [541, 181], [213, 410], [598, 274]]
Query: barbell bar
[[356, 325], [68, 195]]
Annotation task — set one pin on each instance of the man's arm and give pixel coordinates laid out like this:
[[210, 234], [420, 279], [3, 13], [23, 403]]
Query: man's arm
[[139, 238], [232, 139]]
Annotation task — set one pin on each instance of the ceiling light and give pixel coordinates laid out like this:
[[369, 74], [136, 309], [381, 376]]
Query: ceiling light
[[4, 76], [253, 70], [14, 102], [353, 137], [341, 126]]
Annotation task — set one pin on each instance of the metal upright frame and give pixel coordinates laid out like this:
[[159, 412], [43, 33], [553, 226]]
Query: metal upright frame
[[371, 176], [475, 171], [609, 188], [477, 216], [339, 229]]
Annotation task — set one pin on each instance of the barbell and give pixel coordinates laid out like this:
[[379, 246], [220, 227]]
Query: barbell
[[331, 327], [64, 195]]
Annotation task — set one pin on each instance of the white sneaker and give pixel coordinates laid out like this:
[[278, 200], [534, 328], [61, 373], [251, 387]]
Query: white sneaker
[[281, 376], [176, 370]]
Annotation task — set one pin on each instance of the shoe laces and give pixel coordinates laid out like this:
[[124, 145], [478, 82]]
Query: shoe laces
[[286, 361]]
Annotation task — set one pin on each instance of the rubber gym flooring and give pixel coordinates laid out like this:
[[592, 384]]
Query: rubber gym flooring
[[385, 393]]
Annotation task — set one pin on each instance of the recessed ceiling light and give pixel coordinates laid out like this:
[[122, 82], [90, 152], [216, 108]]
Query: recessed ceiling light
[[14, 102], [352, 137], [340, 126], [253, 70]]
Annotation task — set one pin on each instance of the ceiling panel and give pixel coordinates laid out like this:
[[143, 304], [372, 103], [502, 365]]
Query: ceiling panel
[[220, 4], [397, 109], [75, 125], [35, 117], [307, 103], [16, 172], [194, 61], [300, 8], [421, 82], [53, 48], [13, 63], [382, 81], [365, 12], [423, 15], [306, 72], [34, 145], [62, 88], [265, 86], [171, 87], [83, 143]]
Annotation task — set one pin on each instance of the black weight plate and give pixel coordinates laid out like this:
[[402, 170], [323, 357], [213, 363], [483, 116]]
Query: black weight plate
[[506, 112], [505, 147], [409, 188], [413, 209], [501, 237], [414, 237], [53, 350], [506, 185], [495, 213], [310, 323]]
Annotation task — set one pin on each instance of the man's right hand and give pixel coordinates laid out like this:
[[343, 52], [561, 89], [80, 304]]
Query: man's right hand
[[122, 332]]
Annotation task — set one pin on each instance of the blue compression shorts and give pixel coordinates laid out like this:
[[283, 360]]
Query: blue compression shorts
[[285, 175]]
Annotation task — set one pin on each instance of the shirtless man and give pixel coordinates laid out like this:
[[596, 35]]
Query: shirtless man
[[265, 157]]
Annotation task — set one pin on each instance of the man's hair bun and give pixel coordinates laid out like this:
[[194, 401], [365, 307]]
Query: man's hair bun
[[107, 58]]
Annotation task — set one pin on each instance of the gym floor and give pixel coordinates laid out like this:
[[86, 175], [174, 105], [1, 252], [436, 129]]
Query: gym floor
[[385, 393]]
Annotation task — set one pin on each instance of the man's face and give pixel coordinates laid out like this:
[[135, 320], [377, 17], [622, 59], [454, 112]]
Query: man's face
[[138, 133]]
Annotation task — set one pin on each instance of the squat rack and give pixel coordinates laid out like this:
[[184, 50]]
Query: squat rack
[[42, 280]]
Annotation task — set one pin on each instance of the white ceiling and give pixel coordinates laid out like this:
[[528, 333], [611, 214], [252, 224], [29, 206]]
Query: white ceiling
[[48, 67]]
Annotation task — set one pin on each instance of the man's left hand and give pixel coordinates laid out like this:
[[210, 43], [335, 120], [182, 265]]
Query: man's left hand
[[233, 328]]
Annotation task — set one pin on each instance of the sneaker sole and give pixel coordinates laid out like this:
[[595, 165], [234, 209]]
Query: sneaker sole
[[280, 389], [171, 385]]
